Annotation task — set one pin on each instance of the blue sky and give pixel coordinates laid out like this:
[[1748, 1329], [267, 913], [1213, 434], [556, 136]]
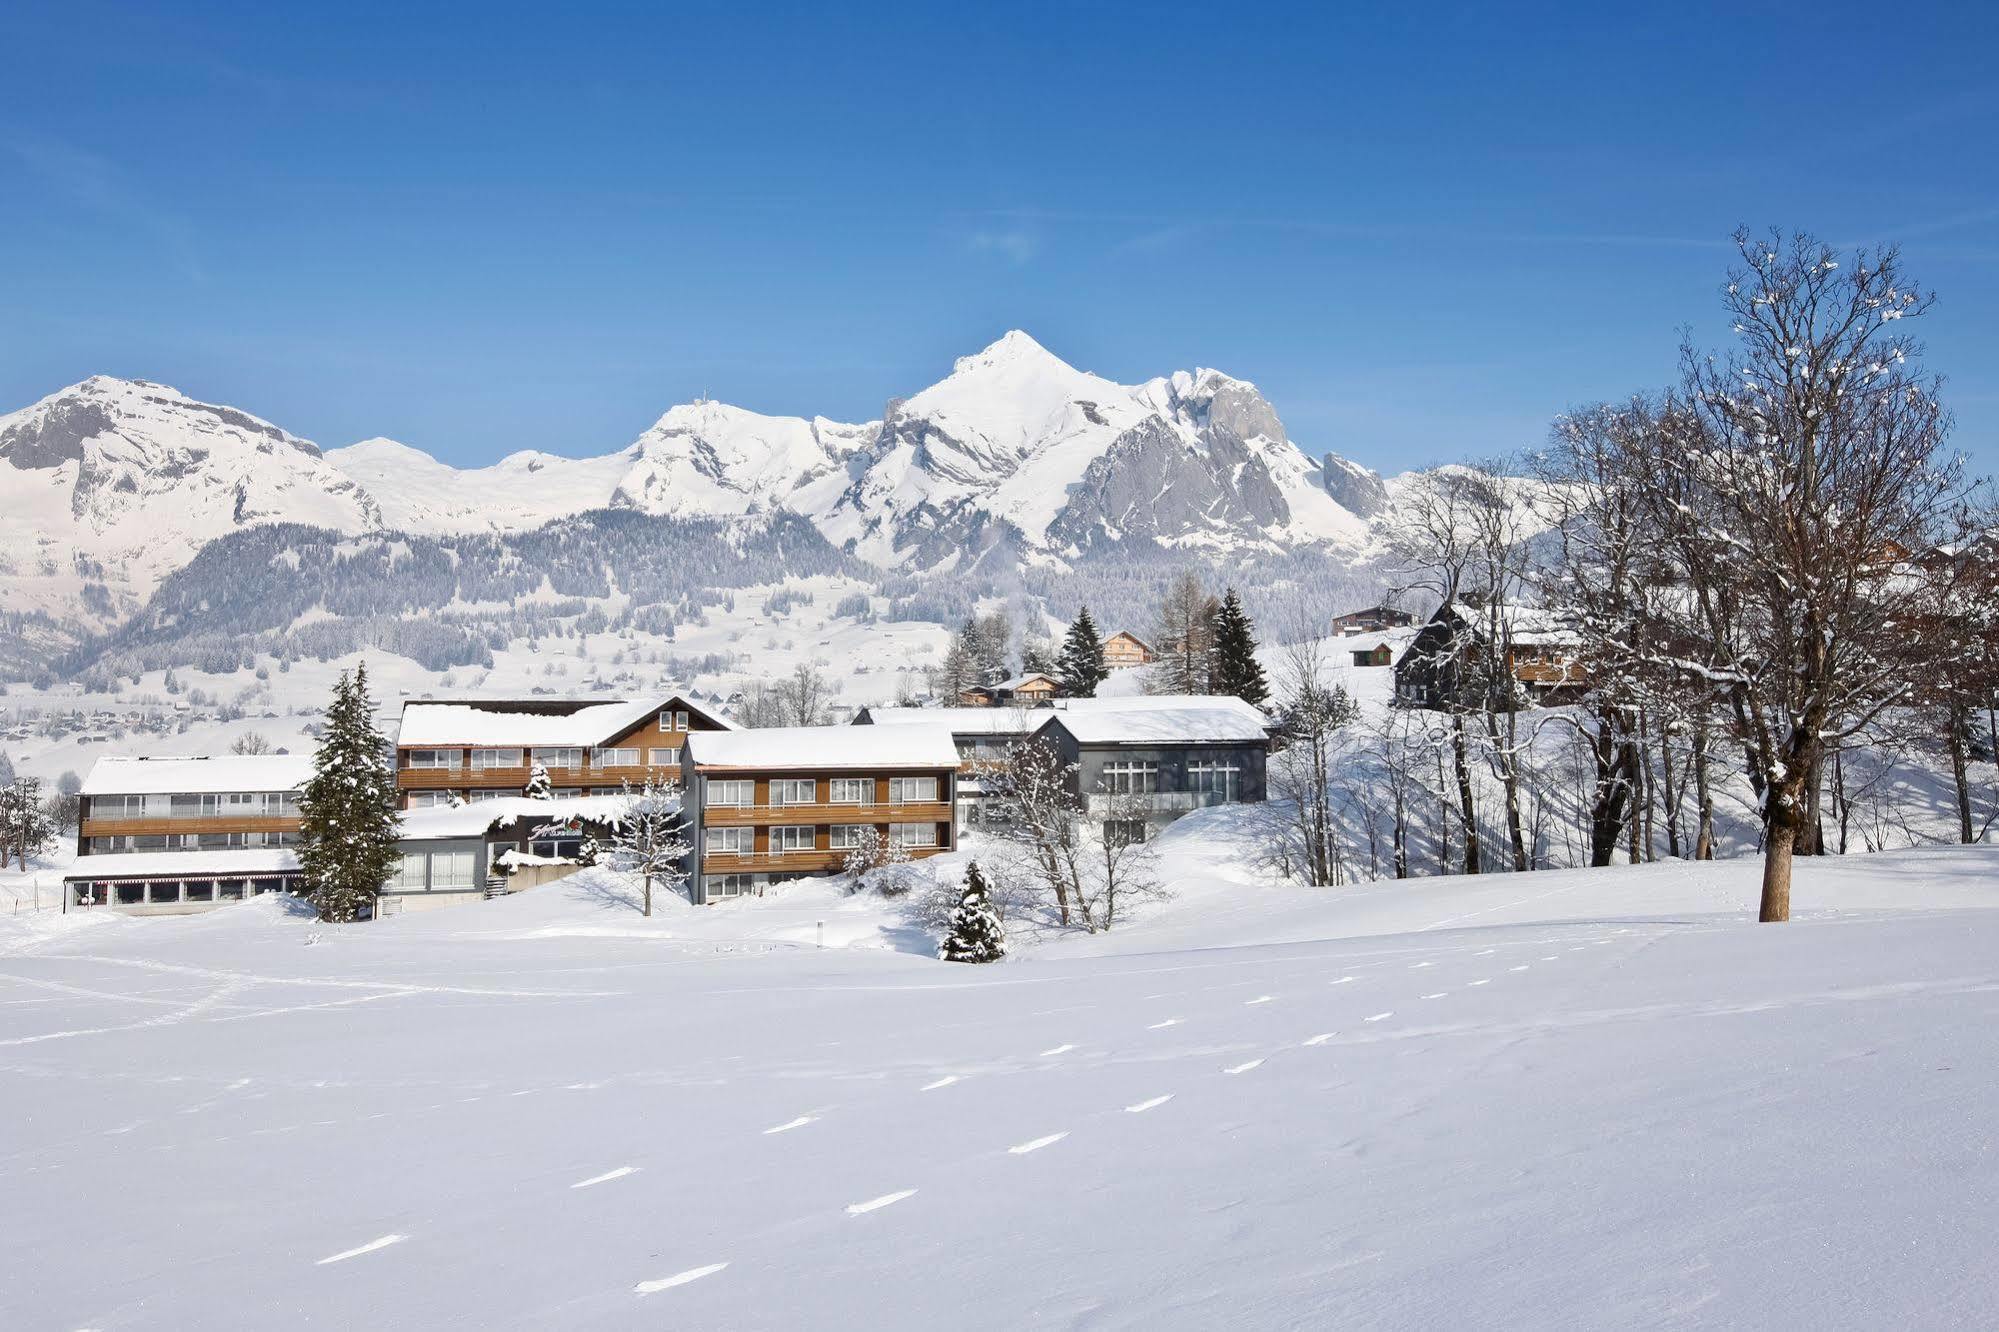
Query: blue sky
[[1422, 230]]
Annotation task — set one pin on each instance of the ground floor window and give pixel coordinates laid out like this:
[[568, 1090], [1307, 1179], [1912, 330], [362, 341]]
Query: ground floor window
[[1124, 832], [131, 894], [1131, 777], [729, 885], [848, 836], [163, 892], [229, 890], [198, 890], [261, 886], [550, 848], [1215, 777], [728, 841], [450, 869], [408, 877]]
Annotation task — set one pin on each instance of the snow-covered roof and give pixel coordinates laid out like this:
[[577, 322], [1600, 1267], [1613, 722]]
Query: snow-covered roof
[[1203, 721], [514, 722], [782, 747], [1126, 633], [963, 721], [1528, 626], [478, 817], [195, 774], [1021, 681], [185, 864], [1157, 703]]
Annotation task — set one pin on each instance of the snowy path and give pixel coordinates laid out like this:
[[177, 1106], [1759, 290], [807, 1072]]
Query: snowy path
[[1525, 1124]]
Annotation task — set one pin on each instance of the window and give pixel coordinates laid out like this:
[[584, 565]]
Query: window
[[93, 894], [559, 756], [262, 886], [851, 791], [408, 877], [912, 790], [131, 894], [1128, 777], [735, 794], [118, 807], [450, 869], [163, 892], [566, 792], [789, 838], [281, 804], [621, 757], [1215, 777], [229, 890], [495, 758], [847, 836], [670, 720], [434, 758], [474, 797], [429, 799], [729, 885], [728, 841], [793, 791], [567, 848], [201, 890], [665, 758], [1124, 832], [913, 834]]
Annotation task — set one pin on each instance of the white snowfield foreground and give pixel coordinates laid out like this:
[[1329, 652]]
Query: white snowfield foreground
[[1532, 1101]]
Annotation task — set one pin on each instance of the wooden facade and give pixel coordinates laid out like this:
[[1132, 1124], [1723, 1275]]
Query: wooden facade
[[1125, 648]]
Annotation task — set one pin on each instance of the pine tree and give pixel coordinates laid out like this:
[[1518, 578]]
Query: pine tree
[[538, 787], [1081, 668], [1235, 669], [348, 824], [976, 934]]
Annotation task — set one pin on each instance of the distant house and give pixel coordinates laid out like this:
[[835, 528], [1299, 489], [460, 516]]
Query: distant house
[[1029, 690], [1373, 654], [1125, 648], [1447, 664], [1372, 620], [1148, 762]]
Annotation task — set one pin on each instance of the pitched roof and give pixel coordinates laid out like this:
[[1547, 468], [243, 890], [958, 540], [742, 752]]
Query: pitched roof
[[785, 747], [1183, 720], [1020, 681], [197, 774], [1126, 633], [959, 721], [534, 721]]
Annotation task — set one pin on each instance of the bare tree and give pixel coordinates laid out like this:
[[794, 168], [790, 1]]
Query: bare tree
[[1791, 487], [1117, 867], [1313, 714], [251, 742], [1184, 636], [1035, 809], [648, 842]]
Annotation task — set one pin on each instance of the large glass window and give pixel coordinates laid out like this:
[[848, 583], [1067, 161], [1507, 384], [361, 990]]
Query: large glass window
[[433, 758], [913, 834], [163, 892], [408, 877], [1215, 777], [496, 758], [791, 838], [430, 799], [200, 890], [734, 794], [665, 758], [229, 890], [847, 836], [131, 894], [1130, 777], [475, 795], [794, 791], [451, 869], [851, 790], [912, 790], [728, 841], [615, 757], [729, 885]]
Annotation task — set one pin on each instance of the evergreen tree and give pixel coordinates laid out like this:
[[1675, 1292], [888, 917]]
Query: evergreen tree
[[1081, 668], [348, 824], [1235, 669], [538, 787], [976, 934]]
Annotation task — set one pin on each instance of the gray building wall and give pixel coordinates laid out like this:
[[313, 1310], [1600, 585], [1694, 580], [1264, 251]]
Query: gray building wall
[[1175, 796]]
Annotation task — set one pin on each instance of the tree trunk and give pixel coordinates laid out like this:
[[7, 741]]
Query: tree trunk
[[1960, 769], [1811, 836], [1467, 809], [1777, 845], [1672, 793], [648, 894], [1704, 797]]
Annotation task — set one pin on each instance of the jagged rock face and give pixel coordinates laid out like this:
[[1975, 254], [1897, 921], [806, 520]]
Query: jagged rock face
[[1354, 487], [55, 436], [1150, 484]]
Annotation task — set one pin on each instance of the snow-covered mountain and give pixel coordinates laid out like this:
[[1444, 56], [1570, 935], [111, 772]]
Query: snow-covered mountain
[[113, 483], [1015, 455]]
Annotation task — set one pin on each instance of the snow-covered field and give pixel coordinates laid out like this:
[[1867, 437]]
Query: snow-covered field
[[1553, 1100]]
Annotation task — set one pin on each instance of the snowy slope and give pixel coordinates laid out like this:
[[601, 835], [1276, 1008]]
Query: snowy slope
[[417, 493], [1565, 1100], [711, 458], [136, 477]]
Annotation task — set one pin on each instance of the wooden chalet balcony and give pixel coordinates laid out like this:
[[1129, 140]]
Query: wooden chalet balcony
[[817, 860], [737, 816], [440, 779], [190, 823]]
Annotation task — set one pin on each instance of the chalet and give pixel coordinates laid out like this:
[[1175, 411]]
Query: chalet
[[780, 802], [169, 836], [1125, 648], [1447, 663], [1147, 762], [1021, 691], [1372, 620], [464, 751], [1373, 653]]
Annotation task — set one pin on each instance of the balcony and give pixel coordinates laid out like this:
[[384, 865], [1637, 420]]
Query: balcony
[[736, 816], [487, 779], [193, 822], [816, 860]]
